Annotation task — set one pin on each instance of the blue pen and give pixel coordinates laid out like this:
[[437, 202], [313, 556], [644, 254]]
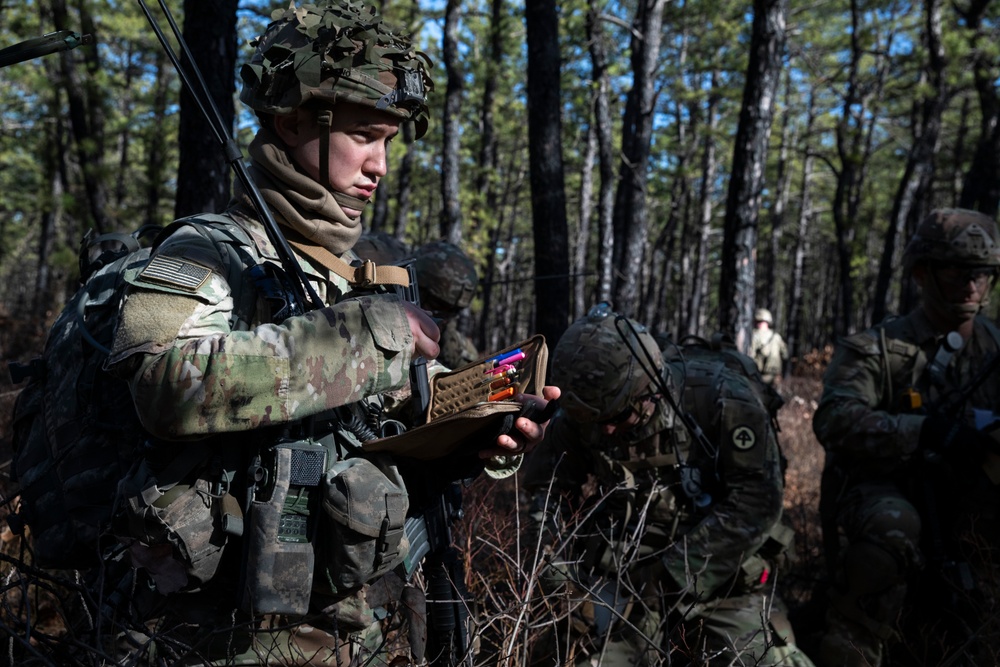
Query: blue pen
[[509, 358]]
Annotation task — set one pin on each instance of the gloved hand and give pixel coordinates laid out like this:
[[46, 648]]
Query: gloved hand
[[953, 440]]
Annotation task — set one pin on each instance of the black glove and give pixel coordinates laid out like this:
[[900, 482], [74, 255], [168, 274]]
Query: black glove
[[954, 441]]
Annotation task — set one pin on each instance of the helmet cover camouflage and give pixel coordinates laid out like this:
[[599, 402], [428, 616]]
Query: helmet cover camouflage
[[381, 248], [445, 275], [340, 52], [763, 315], [954, 236], [599, 375]]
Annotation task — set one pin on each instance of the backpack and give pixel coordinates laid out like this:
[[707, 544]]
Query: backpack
[[721, 349], [75, 429]]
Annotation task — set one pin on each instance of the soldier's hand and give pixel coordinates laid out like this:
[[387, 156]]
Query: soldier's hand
[[526, 433], [425, 332], [953, 440]]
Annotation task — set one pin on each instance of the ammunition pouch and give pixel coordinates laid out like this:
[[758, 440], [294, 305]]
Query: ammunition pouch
[[174, 530], [364, 509]]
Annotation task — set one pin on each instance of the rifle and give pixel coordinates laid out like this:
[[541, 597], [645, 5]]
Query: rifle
[[430, 537], [428, 531]]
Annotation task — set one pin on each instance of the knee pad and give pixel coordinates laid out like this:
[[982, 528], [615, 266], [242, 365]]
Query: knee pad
[[870, 588]]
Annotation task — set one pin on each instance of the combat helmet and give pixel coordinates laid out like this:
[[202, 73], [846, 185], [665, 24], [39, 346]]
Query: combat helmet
[[597, 368], [954, 236], [381, 248], [763, 315], [339, 51], [446, 276]]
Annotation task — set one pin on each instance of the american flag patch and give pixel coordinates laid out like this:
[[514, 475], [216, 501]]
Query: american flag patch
[[176, 273]]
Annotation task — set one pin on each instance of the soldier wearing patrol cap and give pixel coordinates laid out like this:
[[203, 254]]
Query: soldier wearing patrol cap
[[675, 553], [215, 356], [904, 476]]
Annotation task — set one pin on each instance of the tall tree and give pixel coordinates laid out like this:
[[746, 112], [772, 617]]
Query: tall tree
[[739, 242], [203, 175], [796, 290], [630, 217], [981, 189], [914, 188], [156, 149], [451, 211], [87, 113], [548, 188], [779, 209], [596, 38], [699, 274]]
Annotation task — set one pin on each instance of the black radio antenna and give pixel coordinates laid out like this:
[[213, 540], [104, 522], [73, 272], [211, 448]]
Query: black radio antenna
[[303, 290], [649, 368]]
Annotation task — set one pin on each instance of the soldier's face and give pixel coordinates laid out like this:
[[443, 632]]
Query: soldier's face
[[954, 293], [630, 418], [359, 145]]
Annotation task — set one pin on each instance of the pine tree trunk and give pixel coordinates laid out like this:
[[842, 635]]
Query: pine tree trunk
[[451, 211], [548, 190], [739, 244], [203, 176]]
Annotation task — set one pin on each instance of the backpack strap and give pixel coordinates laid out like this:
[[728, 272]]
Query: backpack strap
[[234, 244], [366, 275]]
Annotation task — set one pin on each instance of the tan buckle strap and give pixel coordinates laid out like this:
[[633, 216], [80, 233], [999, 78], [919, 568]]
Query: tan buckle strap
[[366, 275]]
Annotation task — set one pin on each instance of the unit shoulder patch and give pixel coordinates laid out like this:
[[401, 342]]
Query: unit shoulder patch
[[743, 437]]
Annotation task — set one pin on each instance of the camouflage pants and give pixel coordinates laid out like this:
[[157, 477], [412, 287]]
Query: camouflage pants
[[611, 629], [882, 528], [195, 631], [750, 629]]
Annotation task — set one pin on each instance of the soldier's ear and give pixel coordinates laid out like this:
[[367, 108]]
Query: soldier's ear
[[919, 273], [289, 128]]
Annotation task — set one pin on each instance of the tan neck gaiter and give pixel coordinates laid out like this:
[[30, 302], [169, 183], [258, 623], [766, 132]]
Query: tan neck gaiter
[[297, 201]]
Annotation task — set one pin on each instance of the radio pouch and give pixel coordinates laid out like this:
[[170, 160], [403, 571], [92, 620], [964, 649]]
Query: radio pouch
[[282, 521], [472, 405]]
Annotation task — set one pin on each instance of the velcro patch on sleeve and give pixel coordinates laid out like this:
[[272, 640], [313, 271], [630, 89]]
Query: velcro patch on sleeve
[[176, 273]]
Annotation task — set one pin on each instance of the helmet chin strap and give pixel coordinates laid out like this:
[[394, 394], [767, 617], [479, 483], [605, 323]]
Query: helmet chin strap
[[324, 119]]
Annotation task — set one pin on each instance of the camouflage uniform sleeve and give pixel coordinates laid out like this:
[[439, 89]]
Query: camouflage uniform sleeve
[[191, 374], [852, 418], [708, 555]]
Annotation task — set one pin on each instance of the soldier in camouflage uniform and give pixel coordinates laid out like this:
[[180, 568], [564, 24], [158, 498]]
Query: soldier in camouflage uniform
[[664, 543], [447, 280], [767, 347], [213, 357], [904, 453]]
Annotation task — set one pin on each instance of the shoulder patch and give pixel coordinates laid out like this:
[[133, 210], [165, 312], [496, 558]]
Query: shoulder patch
[[176, 273], [743, 437]]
